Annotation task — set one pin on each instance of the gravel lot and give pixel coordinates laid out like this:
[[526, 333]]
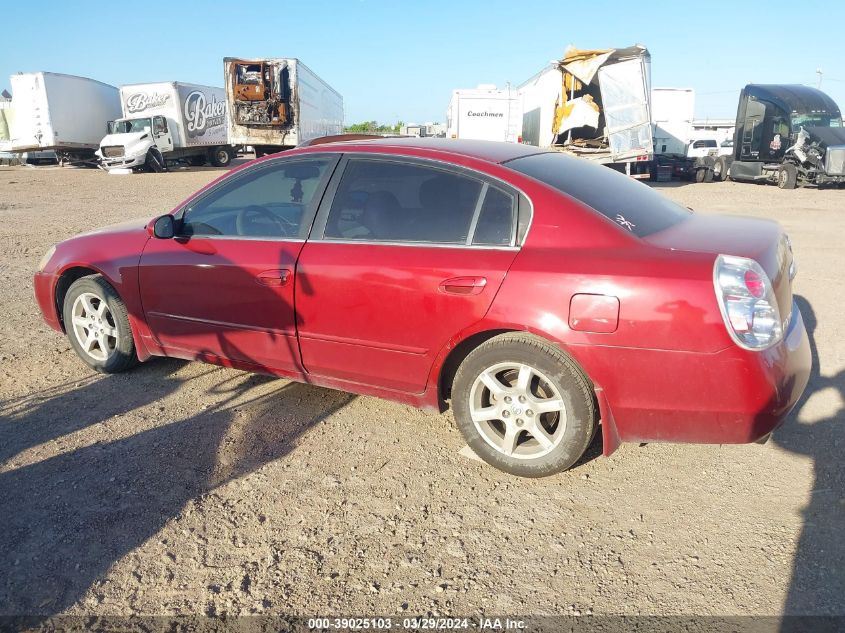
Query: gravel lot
[[182, 488]]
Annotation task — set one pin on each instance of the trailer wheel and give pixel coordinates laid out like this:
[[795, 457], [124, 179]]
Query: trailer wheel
[[708, 175], [220, 156], [155, 161], [787, 176], [720, 169], [700, 174]]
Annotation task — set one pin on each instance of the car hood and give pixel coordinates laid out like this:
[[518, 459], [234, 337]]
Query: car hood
[[761, 240], [129, 227]]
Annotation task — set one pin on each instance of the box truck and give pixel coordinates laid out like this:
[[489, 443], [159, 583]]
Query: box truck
[[62, 113], [593, 104], [166, 122], [788, 135], [486, 114], [277, 103]]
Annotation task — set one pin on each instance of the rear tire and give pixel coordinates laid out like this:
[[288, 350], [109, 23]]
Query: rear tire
[[220, 156], [787, 176], [524, 406], [720, 169], [700, 174], [97, 325], [708, 175]]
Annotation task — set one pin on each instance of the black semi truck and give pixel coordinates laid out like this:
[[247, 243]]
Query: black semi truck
[[787, 135]]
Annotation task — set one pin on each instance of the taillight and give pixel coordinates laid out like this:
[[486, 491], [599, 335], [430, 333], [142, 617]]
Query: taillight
[[747, 302]]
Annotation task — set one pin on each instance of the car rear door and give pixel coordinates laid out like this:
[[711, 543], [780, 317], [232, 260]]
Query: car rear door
[[404, 255], [224, 286]]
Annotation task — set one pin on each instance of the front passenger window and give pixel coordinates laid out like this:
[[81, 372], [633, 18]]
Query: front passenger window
[[267, 201]]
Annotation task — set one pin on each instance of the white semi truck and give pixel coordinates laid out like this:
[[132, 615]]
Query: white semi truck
[[485, 113], [166, 122], [593, 104], [60, 113], [277, 103]]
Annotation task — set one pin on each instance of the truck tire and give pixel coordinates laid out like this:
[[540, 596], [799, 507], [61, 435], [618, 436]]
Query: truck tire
[[221, 156], [155, 161], [700, 173], [708, 175], [720, 169], [787, 176]]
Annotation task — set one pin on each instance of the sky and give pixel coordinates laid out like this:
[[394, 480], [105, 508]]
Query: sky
[[400, 60]]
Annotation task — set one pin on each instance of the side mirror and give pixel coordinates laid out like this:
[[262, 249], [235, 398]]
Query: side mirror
[[164, 228]]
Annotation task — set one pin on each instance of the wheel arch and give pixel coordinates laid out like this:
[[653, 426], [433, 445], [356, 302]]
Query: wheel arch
[[65, 280], [459, 352], [456, 356]]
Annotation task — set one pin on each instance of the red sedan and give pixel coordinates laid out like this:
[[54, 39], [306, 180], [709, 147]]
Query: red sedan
[[537, 293]]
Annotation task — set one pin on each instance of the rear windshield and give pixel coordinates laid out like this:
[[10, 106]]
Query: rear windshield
[[631, 204]]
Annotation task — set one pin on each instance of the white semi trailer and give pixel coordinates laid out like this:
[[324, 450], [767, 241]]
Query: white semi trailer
[[672, 112], [593, 104], [62, 113], [166, 122], [278, 103], [485, 113]]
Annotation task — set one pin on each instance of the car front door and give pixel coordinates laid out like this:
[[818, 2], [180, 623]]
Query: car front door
[[404, 255], [224, 286]]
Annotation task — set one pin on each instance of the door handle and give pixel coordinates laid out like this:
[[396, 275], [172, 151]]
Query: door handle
[[463, 285], [274, 277]]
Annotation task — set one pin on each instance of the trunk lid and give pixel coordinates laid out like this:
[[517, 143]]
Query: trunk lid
[[761, 240]]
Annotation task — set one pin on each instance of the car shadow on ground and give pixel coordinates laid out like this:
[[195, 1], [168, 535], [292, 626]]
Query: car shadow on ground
[[64, 520], [817, 586]]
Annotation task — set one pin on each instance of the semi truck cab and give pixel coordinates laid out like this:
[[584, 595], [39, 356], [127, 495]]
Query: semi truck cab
[[788, 135]]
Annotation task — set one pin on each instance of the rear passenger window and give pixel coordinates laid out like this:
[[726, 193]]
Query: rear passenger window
[[385, 201], [495, 219]]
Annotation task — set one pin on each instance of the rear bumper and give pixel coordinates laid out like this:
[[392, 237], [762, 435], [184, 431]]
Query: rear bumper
[[731, 397], [44, 285]]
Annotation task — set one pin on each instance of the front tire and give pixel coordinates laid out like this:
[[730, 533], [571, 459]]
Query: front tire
[[524, 406], [97, 325], [155, 161], [787, 176]]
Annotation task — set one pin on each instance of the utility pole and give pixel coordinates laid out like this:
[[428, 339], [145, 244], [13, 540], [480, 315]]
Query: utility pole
[[819, 73]]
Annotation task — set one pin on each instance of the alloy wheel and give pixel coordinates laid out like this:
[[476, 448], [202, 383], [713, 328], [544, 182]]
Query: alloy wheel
[[94, 326], [517, 410]]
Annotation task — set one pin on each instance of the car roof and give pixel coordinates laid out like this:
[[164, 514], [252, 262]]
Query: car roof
[[490, 151]]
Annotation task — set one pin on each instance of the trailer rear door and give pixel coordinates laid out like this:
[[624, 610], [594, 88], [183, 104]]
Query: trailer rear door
[[625, 98]]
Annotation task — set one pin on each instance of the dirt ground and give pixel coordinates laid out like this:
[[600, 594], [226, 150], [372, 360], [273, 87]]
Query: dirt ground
[[182, 488]]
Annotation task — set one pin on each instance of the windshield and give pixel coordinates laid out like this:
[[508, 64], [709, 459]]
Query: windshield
[[130, 125], [815, 120], [631, 204]]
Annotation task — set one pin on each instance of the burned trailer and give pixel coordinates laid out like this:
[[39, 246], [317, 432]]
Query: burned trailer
[[277, 103], [595, 105], [788, 135]]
